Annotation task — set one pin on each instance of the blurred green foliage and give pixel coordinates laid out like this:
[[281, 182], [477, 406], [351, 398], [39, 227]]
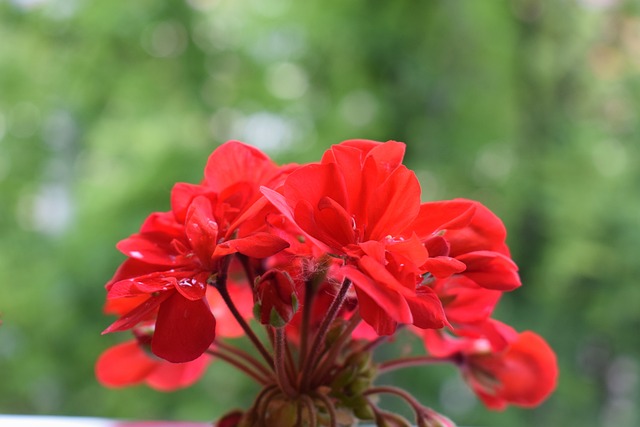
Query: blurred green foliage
[[526, 105]]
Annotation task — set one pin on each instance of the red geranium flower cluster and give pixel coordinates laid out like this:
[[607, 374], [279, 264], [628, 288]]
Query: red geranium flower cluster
[[331, 258]]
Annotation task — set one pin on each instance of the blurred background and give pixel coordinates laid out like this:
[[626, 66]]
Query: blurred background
[[528, 106]]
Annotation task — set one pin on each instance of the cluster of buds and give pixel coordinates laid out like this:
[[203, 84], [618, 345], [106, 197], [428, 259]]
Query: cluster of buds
[[331, 259]]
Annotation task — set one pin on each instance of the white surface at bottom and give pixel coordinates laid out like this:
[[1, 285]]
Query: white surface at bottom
[[47, 421]]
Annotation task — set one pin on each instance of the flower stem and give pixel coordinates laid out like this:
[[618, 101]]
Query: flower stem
[[280, 359], [248, 270], [331, 409], [407, 362], [329, 357], [221, 286], [381, 417], [244, 356], [415, 405], [309, 293], [258, 376], [265, 395], [316, 347], [311, 409]]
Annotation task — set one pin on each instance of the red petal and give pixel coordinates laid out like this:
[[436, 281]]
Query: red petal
[[201, 228], [426, 309], [388, 155], [313, 182], [120, 306], [163, 223], [151, 248], [147, 284], [445, 215], [235, 162], [131, 268], [322, 236], [485, 232], [444, 266], [184, 329], [465, 301], [373, 315], [411, 249], [171, 376], [134, 288], [138, 314], [123, 365], [192, 288], [379, 285], [527, 372], [332, 216], [182, 194], [439, 343], [349, 163], [258, 245], [491, 270], [394, 205], [253, 218]]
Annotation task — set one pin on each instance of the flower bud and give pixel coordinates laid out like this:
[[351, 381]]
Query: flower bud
[[276, 299], [431, 418], [231, 419]]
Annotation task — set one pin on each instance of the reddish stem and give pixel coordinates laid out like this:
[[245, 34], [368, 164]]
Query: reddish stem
[[311, 409], [330, 357], [415, 405], [309, 293], [407, 362], [331, 409], [244, 356], [280, 353], [221, 286], [318, 341], [259, 377]]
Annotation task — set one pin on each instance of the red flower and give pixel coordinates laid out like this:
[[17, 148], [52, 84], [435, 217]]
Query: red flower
[[175, 253], [500, 365], [357, 204], [129, 364]]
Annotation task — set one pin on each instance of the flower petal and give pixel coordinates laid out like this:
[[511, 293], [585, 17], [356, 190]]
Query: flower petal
[[234, 162], [257, 245], [123, 365], [184, 329], [172, 376], [138, 314], [426, 309], [444, 266], [201, 228], [491, 270], [394, 206], [182, 194], [151, 248]]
